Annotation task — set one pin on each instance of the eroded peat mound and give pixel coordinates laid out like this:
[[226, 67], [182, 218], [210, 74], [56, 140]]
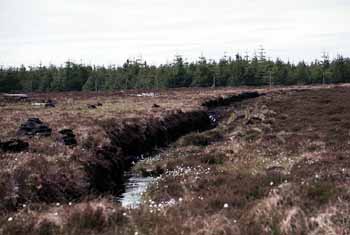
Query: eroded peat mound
[[276, 164]]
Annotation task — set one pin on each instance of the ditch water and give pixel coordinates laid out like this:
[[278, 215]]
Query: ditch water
[[135, 186]]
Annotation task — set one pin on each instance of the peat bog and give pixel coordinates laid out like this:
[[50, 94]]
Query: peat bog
[[272, 164]]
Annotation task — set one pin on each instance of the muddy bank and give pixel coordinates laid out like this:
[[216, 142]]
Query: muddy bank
[[227, 100], [94, 170], [132, 138]]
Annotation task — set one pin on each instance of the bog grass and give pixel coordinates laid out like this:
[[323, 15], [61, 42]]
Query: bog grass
[[285, 172]]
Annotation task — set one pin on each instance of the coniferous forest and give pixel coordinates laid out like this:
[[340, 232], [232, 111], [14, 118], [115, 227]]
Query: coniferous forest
[[228, 71]]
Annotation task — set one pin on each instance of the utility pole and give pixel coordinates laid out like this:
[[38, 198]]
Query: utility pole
[[255, 56], [157, 82], [325, 62], [212, 62], [246, 57], [96, 84], [262, 56]]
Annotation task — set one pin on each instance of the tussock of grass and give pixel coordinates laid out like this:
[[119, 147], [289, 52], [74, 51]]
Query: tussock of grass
[[201, 139], [321, 192]]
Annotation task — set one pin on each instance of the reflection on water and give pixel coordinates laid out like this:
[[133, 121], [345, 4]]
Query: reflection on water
[[135, 186]]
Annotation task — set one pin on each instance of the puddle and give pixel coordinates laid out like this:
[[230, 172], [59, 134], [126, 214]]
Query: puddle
[[135, 186]]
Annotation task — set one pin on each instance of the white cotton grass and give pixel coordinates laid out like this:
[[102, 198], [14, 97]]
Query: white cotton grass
[[161, 205], [10, 219], [226, 205], [183, 174]]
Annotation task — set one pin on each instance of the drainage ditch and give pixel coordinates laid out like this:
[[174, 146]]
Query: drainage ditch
[[135, 139]]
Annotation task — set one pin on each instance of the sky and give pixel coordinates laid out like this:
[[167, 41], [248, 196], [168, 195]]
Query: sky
[[105, 32]]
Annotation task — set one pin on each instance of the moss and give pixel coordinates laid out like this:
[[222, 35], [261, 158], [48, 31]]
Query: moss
[[321, 192], [252, 135], [200, 139], [48, 228], [88, 219], [213, 158]]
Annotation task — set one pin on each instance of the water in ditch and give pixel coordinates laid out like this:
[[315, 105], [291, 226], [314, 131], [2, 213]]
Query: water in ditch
[[135, 186]]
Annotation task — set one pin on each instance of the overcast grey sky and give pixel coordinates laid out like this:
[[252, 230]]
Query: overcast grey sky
[[111, 31]]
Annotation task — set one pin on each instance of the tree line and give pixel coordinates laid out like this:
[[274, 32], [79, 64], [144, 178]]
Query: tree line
[[228, 71]]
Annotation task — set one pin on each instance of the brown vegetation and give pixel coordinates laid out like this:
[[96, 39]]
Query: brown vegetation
[[277, 164]]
